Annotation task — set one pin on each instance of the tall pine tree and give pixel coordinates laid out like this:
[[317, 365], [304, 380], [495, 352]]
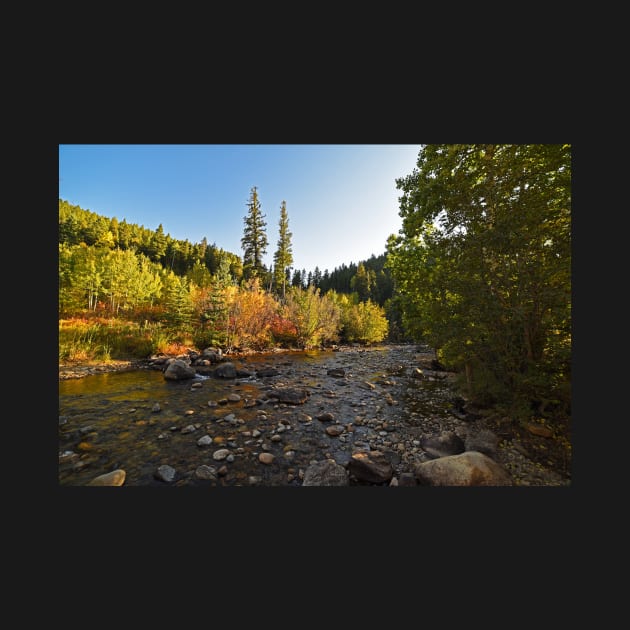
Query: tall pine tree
[[283, 258], [254, 241]]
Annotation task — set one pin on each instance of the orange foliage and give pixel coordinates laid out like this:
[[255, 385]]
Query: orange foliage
[[251, 314], [283, 330]]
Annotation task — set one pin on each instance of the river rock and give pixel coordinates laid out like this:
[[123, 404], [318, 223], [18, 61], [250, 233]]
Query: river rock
[[371, 466], [470, 468], [266, 458], [165, 473], [213, 355], [326, 417], [208, 473], [265, 372], [441, 445], [178, 370], [225, 370], [325, 473], [336, 372], [113, 478], [539, 429], [289, 395]]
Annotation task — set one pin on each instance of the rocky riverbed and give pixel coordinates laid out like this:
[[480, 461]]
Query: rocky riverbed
[[355, 416]]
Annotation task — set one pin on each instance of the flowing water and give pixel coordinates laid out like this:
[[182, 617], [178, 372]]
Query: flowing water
[[138, 420]]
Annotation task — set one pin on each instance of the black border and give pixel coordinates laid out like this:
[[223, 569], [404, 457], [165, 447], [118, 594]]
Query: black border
[[407, 112]]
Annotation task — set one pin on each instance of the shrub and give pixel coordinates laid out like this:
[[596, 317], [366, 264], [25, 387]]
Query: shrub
[[364, 322]]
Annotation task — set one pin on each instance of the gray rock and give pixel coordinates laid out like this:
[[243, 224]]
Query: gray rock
[[206, 472], [165, 473], [336, 372], [326, 417], [325, 473], [371, 466], [178, 370], [225, 370], [265, 372], [442, 445], [290, 396]]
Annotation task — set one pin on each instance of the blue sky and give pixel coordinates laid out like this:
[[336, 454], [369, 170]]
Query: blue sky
[[341, 200]]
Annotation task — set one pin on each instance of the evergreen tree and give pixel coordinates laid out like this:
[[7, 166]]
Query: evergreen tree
[[283, 258], [214, 313], [363, 282], [317, 277], [178, 302], [254, 241], [159, 243]]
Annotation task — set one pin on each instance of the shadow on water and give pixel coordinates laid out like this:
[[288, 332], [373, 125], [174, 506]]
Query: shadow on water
[[424, 399]]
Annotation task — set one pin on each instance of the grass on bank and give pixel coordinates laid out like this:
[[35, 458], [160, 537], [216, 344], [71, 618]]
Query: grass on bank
[[103, 340]]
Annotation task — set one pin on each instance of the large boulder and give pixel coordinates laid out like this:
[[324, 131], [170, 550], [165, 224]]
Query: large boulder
[[470, 468], [442, 445], [225, 370], [179, 370]]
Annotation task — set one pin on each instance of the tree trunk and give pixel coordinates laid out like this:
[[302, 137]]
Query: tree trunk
[[469, 383]]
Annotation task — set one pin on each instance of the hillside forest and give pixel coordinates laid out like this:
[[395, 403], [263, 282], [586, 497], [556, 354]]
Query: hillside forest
[[480, 271]]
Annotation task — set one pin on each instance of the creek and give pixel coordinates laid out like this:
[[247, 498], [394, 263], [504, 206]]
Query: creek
[[138, 421]]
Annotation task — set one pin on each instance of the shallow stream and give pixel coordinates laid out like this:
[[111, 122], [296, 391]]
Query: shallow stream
[[138, 420]]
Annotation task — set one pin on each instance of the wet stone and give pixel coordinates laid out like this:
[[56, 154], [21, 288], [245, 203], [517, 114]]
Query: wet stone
[[165, 473], [222, 453], [113, 478]]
